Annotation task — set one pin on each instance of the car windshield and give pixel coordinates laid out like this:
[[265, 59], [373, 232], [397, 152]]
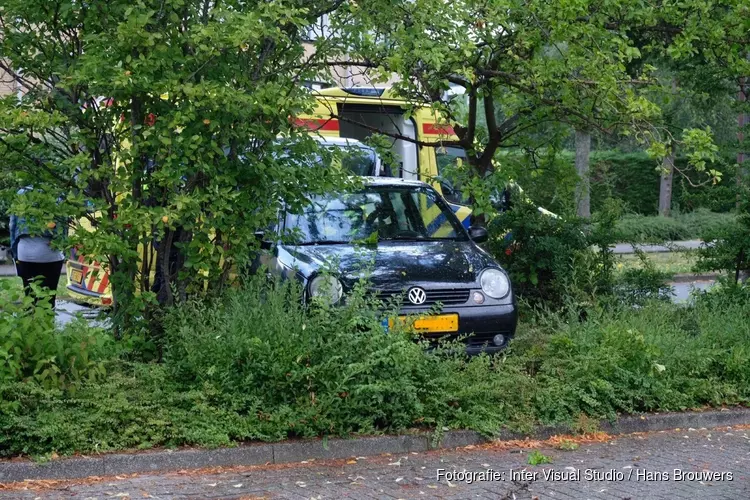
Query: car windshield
[[384, 212]]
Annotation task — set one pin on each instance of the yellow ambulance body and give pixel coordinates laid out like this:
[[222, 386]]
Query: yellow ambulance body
[[358, 112]]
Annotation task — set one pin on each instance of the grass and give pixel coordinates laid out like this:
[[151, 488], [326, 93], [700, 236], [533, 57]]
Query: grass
[[538, 458], [668, 262]]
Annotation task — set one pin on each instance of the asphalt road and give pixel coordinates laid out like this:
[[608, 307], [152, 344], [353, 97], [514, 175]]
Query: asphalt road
[[681, 291], [681, 464], [66, 311], [672, 246]]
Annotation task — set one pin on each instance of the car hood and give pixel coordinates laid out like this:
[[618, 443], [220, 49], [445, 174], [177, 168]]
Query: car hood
[[391, 264]]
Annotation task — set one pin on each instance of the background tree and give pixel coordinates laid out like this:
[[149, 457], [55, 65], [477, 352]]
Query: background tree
[[583, 188], [527, 63], [696, 84]]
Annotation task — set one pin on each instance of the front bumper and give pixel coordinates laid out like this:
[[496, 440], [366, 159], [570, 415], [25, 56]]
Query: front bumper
[[480, 323]]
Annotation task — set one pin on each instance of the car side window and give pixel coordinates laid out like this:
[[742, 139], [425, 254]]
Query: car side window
[[431, 217], [400, 210]]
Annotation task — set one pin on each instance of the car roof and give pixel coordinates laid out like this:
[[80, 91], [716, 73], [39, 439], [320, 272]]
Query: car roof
[[340, 141]]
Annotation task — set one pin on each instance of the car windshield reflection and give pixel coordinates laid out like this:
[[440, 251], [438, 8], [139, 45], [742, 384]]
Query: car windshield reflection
[[376, 213]]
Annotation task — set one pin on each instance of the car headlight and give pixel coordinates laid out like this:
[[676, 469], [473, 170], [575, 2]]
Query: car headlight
[[327, 288], [494, 283]]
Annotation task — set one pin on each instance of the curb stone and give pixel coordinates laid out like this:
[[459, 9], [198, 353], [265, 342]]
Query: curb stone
[[690, 277], [128, 463], [665, 421], [296, 451]]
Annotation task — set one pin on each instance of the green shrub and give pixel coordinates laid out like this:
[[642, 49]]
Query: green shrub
[[260, 367], [635, 228], [549, 177], [633, 178], [729, 248], [294, 371], [33, 349], [702, 220], [136, 406], [725, 291], [648, 229], [661, 357], [5, 186], [553, 260], [635, 286]]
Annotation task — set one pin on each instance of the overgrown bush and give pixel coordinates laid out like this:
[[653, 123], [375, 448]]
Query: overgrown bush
[[4, 214], [725, 291], [635, 286], [33, 349], [552, 260], [261, 367], [294, 371], [633, 178], [568, 262], [630, 178], [660, 357]]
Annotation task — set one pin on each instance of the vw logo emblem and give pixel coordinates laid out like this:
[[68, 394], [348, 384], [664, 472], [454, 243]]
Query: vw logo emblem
[[417, 295]]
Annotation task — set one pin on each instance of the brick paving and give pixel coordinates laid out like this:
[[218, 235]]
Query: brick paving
[[627, 467]]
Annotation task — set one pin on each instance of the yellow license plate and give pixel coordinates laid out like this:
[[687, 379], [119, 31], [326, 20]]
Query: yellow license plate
[[76, 276], [439, 323]]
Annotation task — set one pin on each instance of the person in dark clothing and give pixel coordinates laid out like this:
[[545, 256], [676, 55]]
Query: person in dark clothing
[[34, 256]]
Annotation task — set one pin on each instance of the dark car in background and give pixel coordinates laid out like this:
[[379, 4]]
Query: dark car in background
[[416, 248]]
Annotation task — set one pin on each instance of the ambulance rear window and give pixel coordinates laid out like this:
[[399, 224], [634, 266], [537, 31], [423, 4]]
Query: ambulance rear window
[[358, 161]]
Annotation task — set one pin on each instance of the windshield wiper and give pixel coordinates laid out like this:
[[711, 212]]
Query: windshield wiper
[[409, 238], [323, 242]]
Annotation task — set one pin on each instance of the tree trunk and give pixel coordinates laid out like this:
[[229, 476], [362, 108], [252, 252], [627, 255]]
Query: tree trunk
[[665, 188], [742, 121], [583, 192]]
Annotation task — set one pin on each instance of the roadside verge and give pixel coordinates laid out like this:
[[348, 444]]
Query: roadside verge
[[296, 451]]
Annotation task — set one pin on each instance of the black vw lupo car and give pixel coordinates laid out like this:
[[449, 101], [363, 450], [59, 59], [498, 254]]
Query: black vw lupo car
[[417, 248]]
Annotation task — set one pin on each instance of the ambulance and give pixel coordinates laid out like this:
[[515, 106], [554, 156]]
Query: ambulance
[[359, 112]]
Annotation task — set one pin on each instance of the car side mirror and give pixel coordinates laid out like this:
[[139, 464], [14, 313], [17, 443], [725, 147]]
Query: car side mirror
[[478, 234], [264, 243]]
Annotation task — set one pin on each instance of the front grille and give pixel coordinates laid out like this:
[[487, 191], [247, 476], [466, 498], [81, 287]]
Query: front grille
[[481, 339], [471, 339], [446, 296]]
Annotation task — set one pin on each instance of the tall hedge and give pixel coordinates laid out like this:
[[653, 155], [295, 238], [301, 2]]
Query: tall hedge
[[634, 178], [550, 179]]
